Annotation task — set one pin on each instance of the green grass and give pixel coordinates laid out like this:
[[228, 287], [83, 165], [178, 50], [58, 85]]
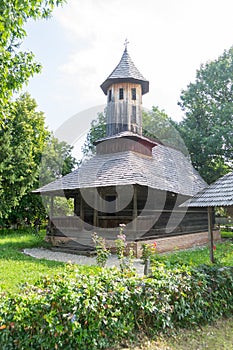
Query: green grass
[[215, 336], [200, 255], [227, 234], [17, 268]]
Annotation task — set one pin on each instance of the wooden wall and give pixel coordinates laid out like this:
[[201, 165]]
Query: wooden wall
[[162, 217]]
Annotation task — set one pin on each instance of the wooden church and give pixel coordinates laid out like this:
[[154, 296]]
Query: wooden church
[[132, 180]]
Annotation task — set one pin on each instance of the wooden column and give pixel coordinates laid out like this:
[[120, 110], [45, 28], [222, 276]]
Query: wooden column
[[95, 213], [210, 234], [81, 210], [52, 206], [76, 204], [135, 208], [50, 224]]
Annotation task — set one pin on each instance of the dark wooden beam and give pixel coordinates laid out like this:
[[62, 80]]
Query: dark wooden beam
[[51, 211], [82, 210], [135, 208], [210, 233], [95, 213]]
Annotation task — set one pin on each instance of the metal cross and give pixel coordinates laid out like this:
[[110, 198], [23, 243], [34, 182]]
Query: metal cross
[[126, 43]]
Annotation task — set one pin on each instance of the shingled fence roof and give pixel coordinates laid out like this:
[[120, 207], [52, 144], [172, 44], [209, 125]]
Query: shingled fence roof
[[219, 194], [167, 170]]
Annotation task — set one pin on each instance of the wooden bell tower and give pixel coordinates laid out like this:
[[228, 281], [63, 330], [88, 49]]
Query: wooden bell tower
[[124, 89]]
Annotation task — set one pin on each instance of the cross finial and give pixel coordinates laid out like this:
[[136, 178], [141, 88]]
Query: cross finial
[[126, 43]]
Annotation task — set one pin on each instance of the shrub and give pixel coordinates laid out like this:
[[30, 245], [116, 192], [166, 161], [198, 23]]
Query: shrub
[[124, 255], [94, 312], [101, 250]]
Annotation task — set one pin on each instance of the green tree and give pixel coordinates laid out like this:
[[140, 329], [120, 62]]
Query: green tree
[[97, 131], [207, 127], [56, 161], [21, 144], [30, 156], [16, 67], [158, 125]]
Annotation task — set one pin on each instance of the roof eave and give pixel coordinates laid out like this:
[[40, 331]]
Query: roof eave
[[191, 204], [110, 81], [128, 135]]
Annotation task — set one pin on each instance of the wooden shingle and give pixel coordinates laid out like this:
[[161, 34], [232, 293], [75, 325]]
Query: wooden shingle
[[125, 71], [219, 194], [168, 169]]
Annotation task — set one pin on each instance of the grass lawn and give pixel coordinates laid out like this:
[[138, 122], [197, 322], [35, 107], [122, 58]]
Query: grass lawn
[[17, 268], [198, 256], [216, 336], [227, 234]]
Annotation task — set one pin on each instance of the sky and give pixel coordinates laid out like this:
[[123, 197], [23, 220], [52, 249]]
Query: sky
[[84, 40]]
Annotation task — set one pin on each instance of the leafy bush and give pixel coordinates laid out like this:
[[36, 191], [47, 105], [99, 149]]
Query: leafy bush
[[94, 312], [101, 250]]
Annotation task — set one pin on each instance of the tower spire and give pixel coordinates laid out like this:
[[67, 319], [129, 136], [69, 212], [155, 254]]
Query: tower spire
[[124, 88]]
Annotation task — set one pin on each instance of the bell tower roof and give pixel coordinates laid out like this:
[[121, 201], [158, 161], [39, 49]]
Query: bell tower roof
[[125, 71]]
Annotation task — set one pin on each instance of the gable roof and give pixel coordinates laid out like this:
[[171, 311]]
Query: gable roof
[[167, 169], [219, 194], [125, 71]]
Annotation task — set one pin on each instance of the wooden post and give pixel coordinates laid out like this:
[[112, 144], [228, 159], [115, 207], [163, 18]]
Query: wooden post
[[51, 214], [210, 234], [95, 214], [81, 211], [52, 206], [135, 209], [147, 268], [75, 205]]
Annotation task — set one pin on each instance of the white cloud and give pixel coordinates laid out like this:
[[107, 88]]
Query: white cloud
[[168, 42]]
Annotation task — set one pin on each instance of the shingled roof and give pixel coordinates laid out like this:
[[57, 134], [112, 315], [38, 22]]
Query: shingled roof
[[125, 71], [219, 194], [167, 170]]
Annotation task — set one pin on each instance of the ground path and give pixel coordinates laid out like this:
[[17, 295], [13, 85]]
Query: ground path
[[42, 253]]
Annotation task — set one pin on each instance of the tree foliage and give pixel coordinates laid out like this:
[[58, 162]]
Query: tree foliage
[[16, 67], [56, 161], [207, 127], [30, 156], [158, 125], [155, 124], [22, 130], [21, 144], [96, 132]]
